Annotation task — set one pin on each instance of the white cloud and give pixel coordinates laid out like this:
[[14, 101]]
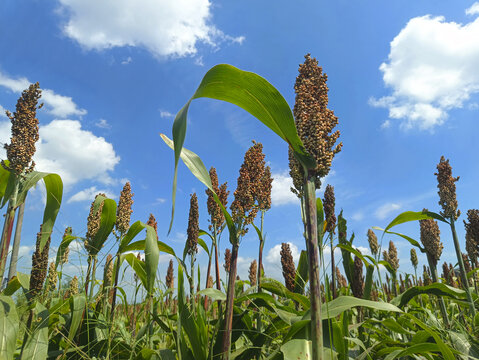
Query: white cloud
[[2, 112], [274, 254], [473, 10], [68, 150], [127, 61], [164, 28], [103, 124], [166, 114], [57, 105], [358, 216], [89, 195], [280, 191], [385, 210], [431, 69]]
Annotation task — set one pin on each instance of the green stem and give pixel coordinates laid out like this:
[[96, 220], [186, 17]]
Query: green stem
[[7, 229], [229, 304], [464, 281], [260, 266], [312, 247], [117, 272], [12, 270], [333, 267], [435, 278]]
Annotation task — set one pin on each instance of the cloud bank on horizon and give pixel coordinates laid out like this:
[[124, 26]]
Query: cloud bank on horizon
[[431, 69]]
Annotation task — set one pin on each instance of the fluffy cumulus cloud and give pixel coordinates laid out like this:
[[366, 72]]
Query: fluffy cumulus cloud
[[89, 194], [280, 191], [431, 69], [163, 27], [58, 105], [68, 150]]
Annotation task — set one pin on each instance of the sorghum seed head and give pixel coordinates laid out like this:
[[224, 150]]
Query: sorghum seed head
[[414, 260], [342, 283], [52, 277], [264, 190], [73, 289], [447, 189], [21, 149], [358, 279], [467, 264], [373, 242], [227, 264], [108, 272], [193, 226], [250, 190], [214, 210], [93, 225], [152, 222], [253, 273], [328, 205], [170, 275], [209, 283], [314, 122], [39, 266], [124, 210], [393, 256], [472, 234], [64, 259], [430, 238], [287, 264]]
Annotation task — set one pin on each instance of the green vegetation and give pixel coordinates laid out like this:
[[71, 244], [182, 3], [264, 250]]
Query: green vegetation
[[318, 313]]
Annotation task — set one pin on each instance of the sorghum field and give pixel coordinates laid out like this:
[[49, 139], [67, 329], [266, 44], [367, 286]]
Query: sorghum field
[[356, 306]]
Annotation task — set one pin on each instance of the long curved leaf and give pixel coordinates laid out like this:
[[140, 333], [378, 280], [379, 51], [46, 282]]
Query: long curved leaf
[[437, 289], [134, 230], [108, 219], [77, 306], [413, 216], [152, 257], [198, 169], [9, 324], [36, 346], [138, 267], [411, 240], [252, 93]]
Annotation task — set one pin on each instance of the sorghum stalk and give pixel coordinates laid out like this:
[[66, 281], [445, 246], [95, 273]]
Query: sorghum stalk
[[313, 259], [430, 239], [192, 243], [12, 270], [229, 303], [448, 202]]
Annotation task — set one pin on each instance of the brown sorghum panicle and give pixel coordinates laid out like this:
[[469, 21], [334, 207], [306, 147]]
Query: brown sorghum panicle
[[193, 226], [472, 235], [467, 264], [373, 242], [108, 272], [414, 260], [448, 274], [64, 259], [393, 256], [385, 256], [341, 279], [264, 190], [447, 189], [24, 131], [287, 264], [93, 225], [209, 283], [253, 273], [328, 204], [73, 289], [214, 210], [39, 266], [314, 122], [123, 212], [152, 222], [52, 277], [430, 238], [249, 188], [227, 263], [170, 275], [358, 279]]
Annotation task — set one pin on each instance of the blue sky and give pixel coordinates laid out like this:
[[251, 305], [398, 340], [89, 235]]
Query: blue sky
[[403, 82]]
